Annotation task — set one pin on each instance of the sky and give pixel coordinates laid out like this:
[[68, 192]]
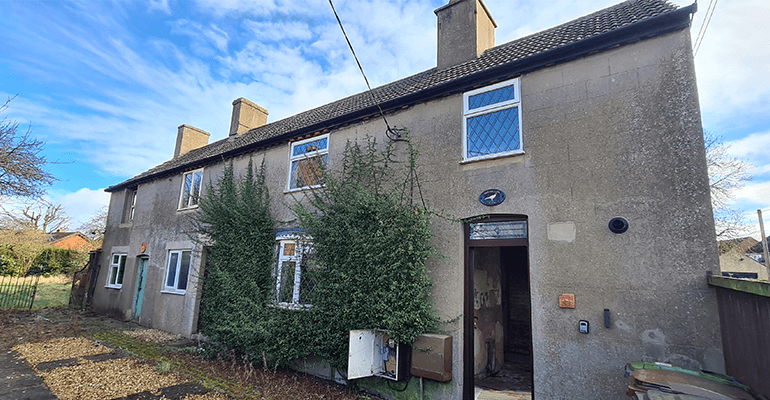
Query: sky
[[105, 84]]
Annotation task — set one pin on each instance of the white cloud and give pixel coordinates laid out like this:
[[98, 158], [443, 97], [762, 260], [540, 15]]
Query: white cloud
[[81, 205], [733, 61], [279, 30], [203, 38], [160, 5], [752, 147]]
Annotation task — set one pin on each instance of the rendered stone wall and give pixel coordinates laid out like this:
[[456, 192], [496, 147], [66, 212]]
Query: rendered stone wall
[[614, 134]]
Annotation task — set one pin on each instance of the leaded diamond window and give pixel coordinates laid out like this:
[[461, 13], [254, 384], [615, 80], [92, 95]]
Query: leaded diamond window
[[492, 97], [307, 160], [492, 118]]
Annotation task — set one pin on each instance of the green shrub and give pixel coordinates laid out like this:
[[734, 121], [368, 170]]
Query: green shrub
[[54, 261], [371, 243], [237, 285], [9, 263]]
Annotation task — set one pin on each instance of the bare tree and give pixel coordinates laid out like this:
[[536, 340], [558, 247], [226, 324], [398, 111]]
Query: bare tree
[[21, 161], [726, 174], [94, 227], [38, 215]]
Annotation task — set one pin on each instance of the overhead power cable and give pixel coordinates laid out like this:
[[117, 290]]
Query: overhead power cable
[[704, 25], [392, 133]]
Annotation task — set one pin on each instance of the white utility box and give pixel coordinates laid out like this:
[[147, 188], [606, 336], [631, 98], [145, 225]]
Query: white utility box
[[374, 353]]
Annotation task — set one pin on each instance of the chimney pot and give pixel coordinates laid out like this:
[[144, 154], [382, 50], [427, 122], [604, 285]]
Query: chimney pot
[[189, 138], [246, 116]]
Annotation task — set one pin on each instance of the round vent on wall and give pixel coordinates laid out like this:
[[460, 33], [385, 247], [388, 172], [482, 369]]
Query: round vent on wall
[[618, 225]]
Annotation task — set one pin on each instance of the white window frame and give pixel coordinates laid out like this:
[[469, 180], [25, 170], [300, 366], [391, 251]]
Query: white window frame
[[316, 153], [174, 288], [468, 113], [195, 190], [301, 247], [114, 277]]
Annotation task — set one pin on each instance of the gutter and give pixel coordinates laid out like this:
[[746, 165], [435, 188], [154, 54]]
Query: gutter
[[656, 26]]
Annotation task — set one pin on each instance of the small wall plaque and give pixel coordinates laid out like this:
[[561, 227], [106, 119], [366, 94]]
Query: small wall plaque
[[492, 197], [567, 300], [143, 248]]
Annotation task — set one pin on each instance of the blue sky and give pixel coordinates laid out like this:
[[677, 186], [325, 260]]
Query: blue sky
[[105, 84]]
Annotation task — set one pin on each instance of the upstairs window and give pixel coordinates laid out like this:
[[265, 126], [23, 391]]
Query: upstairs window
[[129, 205], [117, 268], [306, 160], [191, 189], [177, 271], [132, 206], [293, 284], [492, 121]]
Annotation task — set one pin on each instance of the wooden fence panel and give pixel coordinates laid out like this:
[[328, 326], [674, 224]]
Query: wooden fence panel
[[744, 315]]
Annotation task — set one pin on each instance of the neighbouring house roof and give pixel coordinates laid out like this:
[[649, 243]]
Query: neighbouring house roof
[[738, 245], [623, 23], [57, 237], [757, 248]]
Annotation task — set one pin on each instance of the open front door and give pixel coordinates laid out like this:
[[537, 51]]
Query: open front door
[[497, 341]]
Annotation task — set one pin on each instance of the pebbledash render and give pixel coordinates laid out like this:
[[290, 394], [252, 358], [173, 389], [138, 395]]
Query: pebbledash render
[[589, 132]]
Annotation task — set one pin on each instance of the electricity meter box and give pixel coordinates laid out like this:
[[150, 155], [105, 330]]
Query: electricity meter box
[[375, 353]]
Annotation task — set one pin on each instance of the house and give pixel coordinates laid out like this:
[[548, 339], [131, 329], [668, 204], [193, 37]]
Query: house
[[70, 240], [581, 144], [757, 251], [735, 260]]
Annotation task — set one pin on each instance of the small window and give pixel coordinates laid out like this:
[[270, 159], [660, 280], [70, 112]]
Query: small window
[[492, 121], [191, 189], [293, 284], [177, 271], [117, 268], [132, 207], [129, 208], [306, 160]]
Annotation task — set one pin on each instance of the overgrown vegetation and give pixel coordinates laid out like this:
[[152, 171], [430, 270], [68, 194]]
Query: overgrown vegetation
[[370, 241], [236, 219]]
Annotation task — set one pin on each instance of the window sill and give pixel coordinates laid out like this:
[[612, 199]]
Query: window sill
[[304, 189], [126, 225], [292, 306], [195, 207], [178, 293], [114, 287], [493, 157]]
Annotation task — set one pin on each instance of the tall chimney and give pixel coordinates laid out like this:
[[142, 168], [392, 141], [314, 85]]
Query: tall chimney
[[465, 30], [189, 138], [246, 116]]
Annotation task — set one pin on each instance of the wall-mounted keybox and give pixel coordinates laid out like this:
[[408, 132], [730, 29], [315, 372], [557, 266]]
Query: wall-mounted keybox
[[583, 326], [375, 353]]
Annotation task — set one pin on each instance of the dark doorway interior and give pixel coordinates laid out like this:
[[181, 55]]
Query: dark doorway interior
[[515, 374]]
